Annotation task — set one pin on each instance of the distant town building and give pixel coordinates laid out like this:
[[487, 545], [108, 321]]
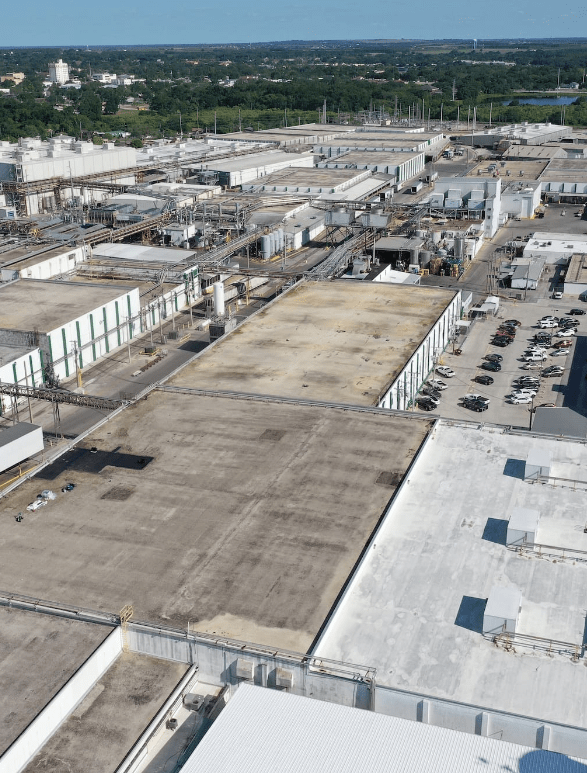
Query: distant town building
[[58, 72], [16, 77]]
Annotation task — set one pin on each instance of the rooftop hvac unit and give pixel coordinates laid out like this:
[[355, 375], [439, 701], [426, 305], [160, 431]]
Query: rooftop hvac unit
[[502, 611], [243, 669], [284, 678]]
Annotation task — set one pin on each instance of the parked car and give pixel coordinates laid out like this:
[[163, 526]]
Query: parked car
[[480, 398], [564, 344], [560, 353], [547, 323], [525, 391], [444, 371], [485, 380], [537, 348], [500, 342], [567, 331], [520, 399], [434, 394], [514, 322], [527, 382], [557, 294], [546, 405], [531, 366], [553, 370], [535, 357], [543, 338], [493, 366], [475, 405], [425, 405], [547, 317], [436, 383], [36, 504], [568, 321], [577, 312], [493, 357]]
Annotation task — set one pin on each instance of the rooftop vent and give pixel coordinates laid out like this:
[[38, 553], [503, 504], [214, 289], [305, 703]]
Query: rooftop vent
[[522, 526], [502, 611]]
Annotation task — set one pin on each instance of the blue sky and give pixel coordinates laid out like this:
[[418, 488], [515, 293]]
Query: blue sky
[[65, 23]]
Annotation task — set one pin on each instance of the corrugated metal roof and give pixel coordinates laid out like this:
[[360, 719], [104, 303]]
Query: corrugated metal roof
[[265, 731]]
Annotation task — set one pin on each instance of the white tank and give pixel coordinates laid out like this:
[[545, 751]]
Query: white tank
[[218, 288], [436, 236], [265, 247], [272, 243], [281, 239]]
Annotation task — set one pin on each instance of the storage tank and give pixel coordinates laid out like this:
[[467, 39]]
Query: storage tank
[[414, 257], [272, 243], [420, 234], [459, 247], [218, 289], [265, 247], [436, 236], [424, 258]]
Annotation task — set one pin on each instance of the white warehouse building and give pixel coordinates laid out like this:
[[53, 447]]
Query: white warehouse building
[[49, 324], [33, 160]]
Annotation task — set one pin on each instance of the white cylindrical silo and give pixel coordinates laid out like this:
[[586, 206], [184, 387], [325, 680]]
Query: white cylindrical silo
[[272, 243], [265, 247], [218, 288]]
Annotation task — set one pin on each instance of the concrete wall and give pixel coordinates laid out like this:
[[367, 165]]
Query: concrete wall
[[403, 390], [28, 743], [217, 664], [96, 333]]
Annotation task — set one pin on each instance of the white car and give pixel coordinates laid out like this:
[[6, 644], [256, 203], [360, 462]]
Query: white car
[[548, 323], [436, 383], [446, 372], [535, 350], [560, 353], [535, 357], [36, 504], [524, 392], [531, 366], [568, 331], [520, 399]]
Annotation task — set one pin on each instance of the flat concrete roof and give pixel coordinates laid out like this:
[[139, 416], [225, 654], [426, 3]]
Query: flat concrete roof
[[415, 607], [572, 170], [23, 255], [38, 654], [243, 517], [11, 353], [577, 270], [340, 341], [111, 717], [373, 157], [534, 152], [141, 253], [253, 161], [310, 177], [532, 170], [36, 304]]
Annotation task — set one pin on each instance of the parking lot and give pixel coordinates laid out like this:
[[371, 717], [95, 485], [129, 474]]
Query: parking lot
[[568, 389]]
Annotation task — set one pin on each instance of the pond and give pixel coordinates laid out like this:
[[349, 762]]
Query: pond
[[544, 101]]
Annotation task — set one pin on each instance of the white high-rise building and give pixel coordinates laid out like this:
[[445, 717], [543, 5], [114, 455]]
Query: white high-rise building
[[58, 72]]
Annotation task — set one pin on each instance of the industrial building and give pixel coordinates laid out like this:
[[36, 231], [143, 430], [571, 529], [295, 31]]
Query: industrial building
[[367, 344], [288, 503], [556, 248], [40, 165], [402, 166], [474, 197], [575, 279], [74, 324], [519, 199], [259, 727], [431, 143], [417, 606], [308, 181], [244, 169], [521, 134]]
